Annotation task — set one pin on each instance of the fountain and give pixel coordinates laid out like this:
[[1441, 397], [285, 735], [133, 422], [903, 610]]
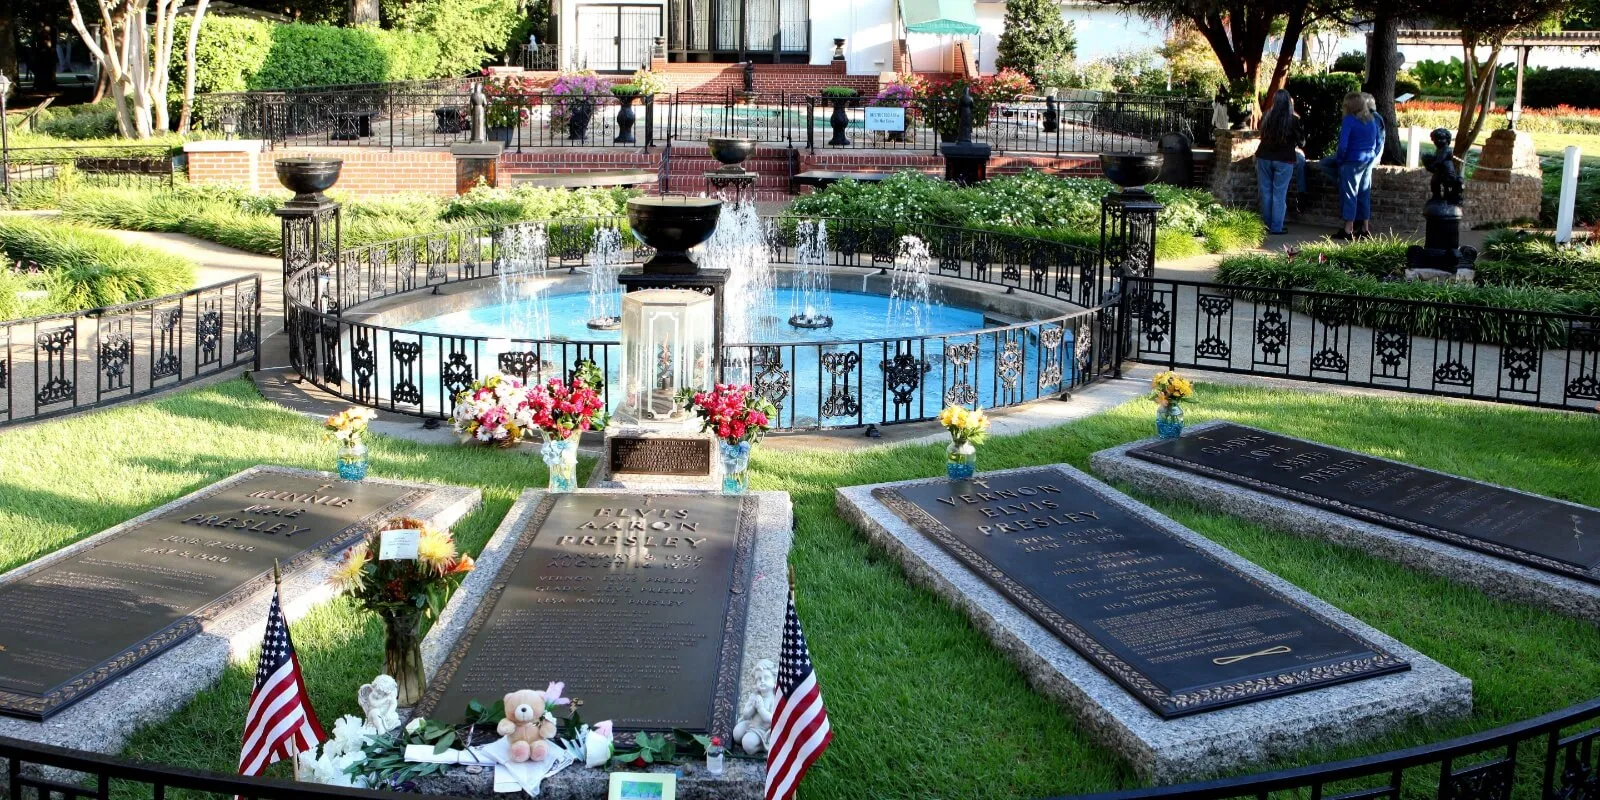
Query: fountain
[[739, 249], [605, 261], [732, 152], [910, 288], [522, 255], [812, 301]]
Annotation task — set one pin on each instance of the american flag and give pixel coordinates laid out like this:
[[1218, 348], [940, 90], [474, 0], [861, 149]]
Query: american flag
[[800, 729], [280, 722]]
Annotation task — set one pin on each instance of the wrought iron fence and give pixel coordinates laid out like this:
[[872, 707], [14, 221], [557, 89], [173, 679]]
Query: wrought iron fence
[[31, 170], [1550, 757], [67, 362], [547, 120], [1509, 356], [430, 113], [815, 385], [541, 57], [764, 116]]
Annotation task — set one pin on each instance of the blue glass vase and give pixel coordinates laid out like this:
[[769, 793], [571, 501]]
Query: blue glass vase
[[353, 461], [561, 460], [960, 460], [1169, 420], [735, 467]]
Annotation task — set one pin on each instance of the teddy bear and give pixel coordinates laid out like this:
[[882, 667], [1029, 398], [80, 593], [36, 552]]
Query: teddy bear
[[527, 725]]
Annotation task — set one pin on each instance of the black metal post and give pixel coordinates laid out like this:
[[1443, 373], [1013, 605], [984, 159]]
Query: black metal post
[[5, 139]]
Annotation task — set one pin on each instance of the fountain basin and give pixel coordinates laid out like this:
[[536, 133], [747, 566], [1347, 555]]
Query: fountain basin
[[673, 225], [308, 178], [1131, 170], [731, 151]]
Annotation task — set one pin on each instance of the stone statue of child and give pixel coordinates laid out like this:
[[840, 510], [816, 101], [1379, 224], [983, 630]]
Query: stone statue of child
[[755, 714], [380, 701], [1446, 183]]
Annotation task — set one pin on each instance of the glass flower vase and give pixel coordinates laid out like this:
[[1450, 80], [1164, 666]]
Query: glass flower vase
[[960, 460], [402, 652], [735, 467], [561, 460], [353, 461], [1169, 420]]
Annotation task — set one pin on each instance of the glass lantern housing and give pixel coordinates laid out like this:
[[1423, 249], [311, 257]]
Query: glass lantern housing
[[666, 346]]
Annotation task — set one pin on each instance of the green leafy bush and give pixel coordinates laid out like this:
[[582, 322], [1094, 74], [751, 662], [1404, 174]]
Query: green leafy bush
[[1406, 83], [469, 33], [87, 121], [1320, 101], [322, 55], [227, 54], [1352, 61], [83, 268], [1557, 86]]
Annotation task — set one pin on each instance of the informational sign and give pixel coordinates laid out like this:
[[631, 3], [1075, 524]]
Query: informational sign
[[886, 118]]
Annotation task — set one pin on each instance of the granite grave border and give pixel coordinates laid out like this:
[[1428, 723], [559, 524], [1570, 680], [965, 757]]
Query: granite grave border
[[1197, 746]]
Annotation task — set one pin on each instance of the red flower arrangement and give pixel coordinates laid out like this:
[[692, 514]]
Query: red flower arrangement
[[734, 412], [564, 406]]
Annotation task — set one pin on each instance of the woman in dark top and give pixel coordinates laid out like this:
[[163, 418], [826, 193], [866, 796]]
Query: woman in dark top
[[1281, 136]]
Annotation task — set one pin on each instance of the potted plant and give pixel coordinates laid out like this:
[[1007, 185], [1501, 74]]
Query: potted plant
[[896, 95], [625, 93], [572, 102], [403, 572], [967, 430], [509, 97], [1170, 391], [349, 428], [562, 409], [650, 84], [739, 417], [840, 96]]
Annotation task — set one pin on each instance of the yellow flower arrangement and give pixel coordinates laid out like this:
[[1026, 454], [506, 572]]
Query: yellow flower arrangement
[[963, 425], [348, 426], [399, 585], [1169, 387]]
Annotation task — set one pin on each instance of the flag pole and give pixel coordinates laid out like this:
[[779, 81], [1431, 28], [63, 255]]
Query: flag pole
[[294, 749]]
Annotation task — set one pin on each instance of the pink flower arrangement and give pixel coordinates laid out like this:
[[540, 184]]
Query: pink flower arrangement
[[734, 412], [575, 91], [565, 406], [492, 411], [509, 98], [895, 95]]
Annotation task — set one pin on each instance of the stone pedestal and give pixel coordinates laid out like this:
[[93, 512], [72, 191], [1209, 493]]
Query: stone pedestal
[[475, 161], [1233, 168], [966, 163]]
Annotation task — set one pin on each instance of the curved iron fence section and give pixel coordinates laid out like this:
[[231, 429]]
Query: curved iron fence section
[[1504, 355], [68, 362], [816, 385]]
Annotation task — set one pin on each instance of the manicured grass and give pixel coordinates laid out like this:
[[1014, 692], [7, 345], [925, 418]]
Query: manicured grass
[[922, 705]]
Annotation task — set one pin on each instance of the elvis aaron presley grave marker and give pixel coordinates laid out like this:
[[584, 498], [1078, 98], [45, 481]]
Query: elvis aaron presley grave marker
[[638, 602], [1561, 538], [72, 624], [1179, 629]]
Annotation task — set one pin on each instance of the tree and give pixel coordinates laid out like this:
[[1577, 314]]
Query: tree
[[362, 12], [1035, 38], [189, 65], [133, 64], [1383, 65], [1484, 25]]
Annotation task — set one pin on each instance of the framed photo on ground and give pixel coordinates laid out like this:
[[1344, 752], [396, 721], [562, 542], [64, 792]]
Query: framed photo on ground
[[643, 786]]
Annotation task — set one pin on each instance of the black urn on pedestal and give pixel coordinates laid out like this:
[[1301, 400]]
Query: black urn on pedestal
[[840, 120], [308, 178], [673, 225], [1441, 253], [579, 111]]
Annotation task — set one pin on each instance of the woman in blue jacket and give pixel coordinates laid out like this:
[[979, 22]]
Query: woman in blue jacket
[[1359, 139]]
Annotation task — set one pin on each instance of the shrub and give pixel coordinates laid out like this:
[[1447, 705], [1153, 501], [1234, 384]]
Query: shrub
[[228, 53], [1542, 88], [1319, 100], [85, 268], [1352, 61], [88, 121], [1406, 83], [832, 92], [467, 33], [322, 55], [1230, 229]]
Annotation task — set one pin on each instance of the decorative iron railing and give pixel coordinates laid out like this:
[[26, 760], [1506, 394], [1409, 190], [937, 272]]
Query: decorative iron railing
[[29, 170], [68, 362], [841, 383], [1504, 355]]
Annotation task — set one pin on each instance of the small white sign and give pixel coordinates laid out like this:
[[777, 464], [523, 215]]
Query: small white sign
[[398, 544], [886, 118]]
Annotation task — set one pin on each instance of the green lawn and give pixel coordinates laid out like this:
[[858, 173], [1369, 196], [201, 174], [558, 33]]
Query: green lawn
[[922, 705]]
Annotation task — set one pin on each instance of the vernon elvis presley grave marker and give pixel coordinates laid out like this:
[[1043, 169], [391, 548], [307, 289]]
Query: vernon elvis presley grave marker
[[1563, 538], [71, 625], [636, 601], [1179, 629]]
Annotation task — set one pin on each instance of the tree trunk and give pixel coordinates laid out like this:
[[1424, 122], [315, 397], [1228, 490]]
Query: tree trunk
[[362, 12], [8, 45], [1292, 29], [1383, 66], [187, 109], [1478, 94]]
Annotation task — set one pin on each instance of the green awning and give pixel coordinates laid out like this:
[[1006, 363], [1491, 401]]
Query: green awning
[[948, 17]]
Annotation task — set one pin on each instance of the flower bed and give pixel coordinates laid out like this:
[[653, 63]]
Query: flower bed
[[79, 268]]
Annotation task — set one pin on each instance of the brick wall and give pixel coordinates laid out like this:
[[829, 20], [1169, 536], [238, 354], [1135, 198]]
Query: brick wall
[[368, 171], [1508, 190]]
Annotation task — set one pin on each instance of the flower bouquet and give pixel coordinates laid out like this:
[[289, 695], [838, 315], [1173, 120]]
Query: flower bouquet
[[494, 410], [897, 95], [572, 103], [1170, 391], [561, 410], [403, 590], [349, 429], [510, 98], [739, 417], [967, 430]]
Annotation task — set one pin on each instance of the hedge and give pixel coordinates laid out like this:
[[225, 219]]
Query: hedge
[[82, 268], [1320, 101], [234, 55], [1558, 86]]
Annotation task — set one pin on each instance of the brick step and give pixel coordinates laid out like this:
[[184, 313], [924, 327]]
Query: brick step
[[707, 164], [701, 151]]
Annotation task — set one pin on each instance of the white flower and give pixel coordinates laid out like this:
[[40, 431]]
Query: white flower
[[415, 725], [350, 734]]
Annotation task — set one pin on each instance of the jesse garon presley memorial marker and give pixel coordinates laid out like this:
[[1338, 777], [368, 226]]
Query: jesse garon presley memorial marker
[[1558, 537], [1179, 629], [72, 624], [636, 601]]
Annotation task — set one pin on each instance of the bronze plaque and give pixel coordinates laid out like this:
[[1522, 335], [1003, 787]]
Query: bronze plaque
[[636, 601], [69, 627], [1563, 538], [1180, 629], [658, 455]]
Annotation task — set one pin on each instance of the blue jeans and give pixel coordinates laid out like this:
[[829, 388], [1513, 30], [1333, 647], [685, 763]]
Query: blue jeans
[[1273, 178], [1300, 172], [1355, 191]]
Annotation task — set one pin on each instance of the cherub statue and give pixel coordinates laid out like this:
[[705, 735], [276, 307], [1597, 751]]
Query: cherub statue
[[380, 701], [1446, 183], [755, 715]]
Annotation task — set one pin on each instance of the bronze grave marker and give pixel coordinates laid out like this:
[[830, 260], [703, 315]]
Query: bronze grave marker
[[660, 455]]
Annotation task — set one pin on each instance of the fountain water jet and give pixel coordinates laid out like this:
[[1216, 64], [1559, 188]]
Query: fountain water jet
[[739, 245], [910, 290], [812, 302], [524, 308], [605, 294]]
